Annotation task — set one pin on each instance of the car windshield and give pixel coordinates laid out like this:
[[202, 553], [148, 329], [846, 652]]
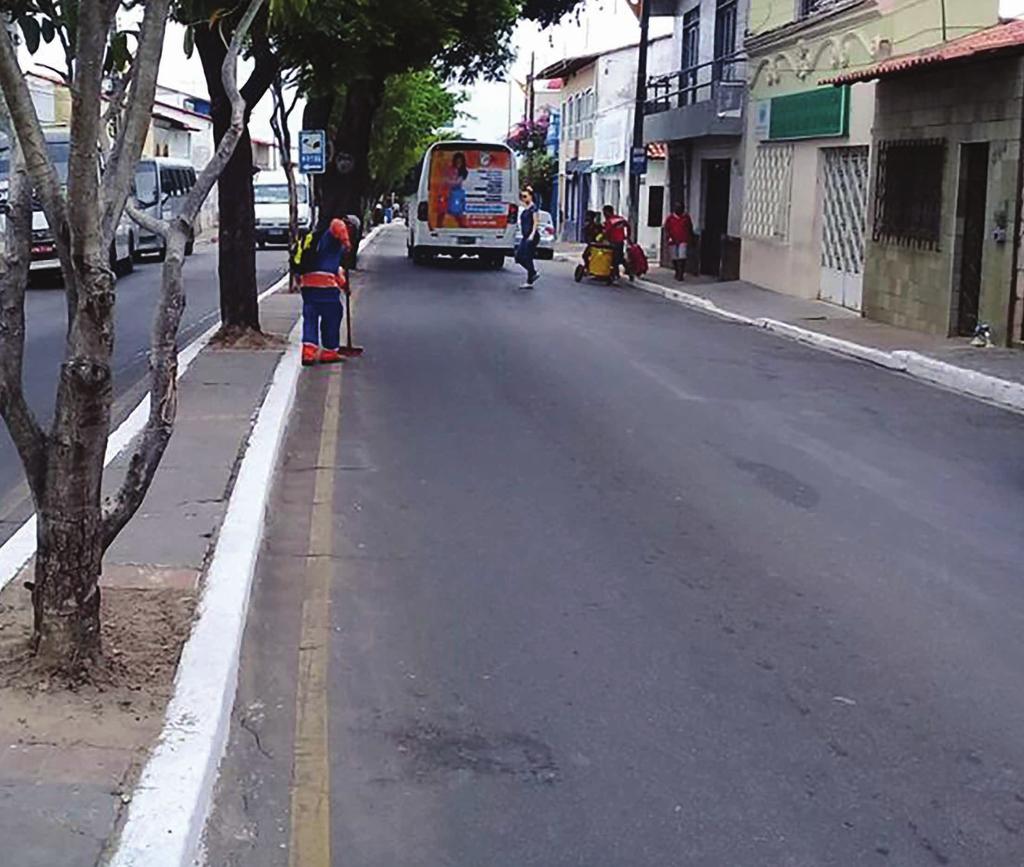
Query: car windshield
[[277, 194]]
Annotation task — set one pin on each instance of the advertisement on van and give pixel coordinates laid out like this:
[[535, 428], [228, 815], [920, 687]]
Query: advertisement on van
[[468, 188]]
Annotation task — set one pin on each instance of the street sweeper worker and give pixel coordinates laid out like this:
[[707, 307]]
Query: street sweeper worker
[[320, 263]]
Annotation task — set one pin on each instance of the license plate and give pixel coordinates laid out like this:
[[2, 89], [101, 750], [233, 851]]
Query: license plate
[[464, 240]]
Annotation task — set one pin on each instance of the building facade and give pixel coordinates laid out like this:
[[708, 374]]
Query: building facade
[[598, 98], [696, 109], [576, 147], [944, 227], [808, 155]]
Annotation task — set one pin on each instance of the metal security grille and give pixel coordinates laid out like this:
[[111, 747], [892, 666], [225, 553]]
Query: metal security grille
[[908, 192], [769, 193], [844, 209]]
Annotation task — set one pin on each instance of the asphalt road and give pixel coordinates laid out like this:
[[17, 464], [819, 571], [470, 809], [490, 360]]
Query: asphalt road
[[137, 293], [617, 584]]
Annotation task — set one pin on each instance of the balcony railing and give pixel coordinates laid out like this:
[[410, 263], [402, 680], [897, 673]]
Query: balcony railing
[[694, 84]]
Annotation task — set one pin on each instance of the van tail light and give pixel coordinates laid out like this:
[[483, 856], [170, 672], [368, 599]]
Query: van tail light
[[513, 214], [422, 212]]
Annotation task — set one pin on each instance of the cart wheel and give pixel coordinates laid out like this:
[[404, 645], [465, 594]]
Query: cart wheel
[[578, 273]]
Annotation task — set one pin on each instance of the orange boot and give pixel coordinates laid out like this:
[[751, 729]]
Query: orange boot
[[331, 356], [310, 354]]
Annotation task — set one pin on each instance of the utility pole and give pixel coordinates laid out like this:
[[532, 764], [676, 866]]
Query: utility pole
[[638, 152], [530, 91]]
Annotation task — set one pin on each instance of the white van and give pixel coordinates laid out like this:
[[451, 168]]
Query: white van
[[467, 203], [271, 196], [161, 185]]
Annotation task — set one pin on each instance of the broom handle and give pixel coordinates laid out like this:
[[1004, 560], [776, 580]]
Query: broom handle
[[348, 312]]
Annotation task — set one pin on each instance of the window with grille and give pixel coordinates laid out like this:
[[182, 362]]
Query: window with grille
[[908, 193], [769, 193]]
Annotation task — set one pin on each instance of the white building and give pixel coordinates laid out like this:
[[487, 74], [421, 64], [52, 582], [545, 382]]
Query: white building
[[697, 107], [597, 111]]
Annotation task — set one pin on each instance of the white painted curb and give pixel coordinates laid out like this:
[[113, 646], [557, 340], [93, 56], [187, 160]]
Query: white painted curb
[[18, 550], [172, 799], [1003, 392]]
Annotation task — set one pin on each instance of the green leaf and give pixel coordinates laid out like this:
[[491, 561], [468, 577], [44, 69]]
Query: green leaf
[[190, 41], [30, 30]]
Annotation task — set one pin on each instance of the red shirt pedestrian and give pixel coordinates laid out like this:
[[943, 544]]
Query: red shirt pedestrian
[[679, 228]]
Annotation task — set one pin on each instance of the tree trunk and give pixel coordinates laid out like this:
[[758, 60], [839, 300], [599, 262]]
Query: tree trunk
[[66, 595], [70, 541], [345, 191], [239, 308], [236, 256]]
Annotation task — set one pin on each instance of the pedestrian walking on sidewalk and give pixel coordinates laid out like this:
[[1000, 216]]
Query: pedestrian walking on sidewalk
[[529, 227], [679, 235], [322, 278]]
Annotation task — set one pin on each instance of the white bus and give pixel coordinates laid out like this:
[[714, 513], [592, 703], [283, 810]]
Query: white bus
[[467, 203]]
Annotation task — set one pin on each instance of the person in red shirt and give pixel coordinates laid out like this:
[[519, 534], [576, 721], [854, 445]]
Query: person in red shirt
[[322, 282], [616, 230], [679, 235]]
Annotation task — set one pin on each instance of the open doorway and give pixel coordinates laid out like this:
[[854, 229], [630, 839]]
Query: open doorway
[[971, 210], [717, 181]]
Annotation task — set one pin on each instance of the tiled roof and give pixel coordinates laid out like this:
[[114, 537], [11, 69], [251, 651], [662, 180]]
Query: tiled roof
[[1005, 37]]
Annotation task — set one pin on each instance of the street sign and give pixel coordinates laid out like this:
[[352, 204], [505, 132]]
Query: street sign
[[638, 161], [312, 151]]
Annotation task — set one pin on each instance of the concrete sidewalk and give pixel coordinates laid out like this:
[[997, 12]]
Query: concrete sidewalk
[[62, 794]]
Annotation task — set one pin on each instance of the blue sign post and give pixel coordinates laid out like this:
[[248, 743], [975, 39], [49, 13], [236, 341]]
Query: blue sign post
[[312, 151]]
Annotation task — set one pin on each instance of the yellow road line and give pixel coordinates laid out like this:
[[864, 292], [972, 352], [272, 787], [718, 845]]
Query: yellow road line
[[311, 771]]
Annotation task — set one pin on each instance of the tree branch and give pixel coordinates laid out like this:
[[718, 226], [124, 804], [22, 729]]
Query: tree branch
[[266, 67], [94, 23], [131, 136], [33, 145], [25, 430], [150, 448], [150, 224]]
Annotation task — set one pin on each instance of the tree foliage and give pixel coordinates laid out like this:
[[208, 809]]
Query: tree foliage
[[416, 105]]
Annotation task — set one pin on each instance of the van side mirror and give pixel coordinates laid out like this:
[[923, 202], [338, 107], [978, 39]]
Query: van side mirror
[[422, 212]]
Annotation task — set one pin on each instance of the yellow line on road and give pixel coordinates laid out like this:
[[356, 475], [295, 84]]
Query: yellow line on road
[[311, 772]]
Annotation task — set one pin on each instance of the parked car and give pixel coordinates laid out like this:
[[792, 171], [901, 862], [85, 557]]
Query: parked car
[[44, 248], [161, 185], [271, 197], [546, 245]]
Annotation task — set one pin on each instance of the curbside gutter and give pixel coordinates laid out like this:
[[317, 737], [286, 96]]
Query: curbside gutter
[[172, 800], [1005, 393]]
